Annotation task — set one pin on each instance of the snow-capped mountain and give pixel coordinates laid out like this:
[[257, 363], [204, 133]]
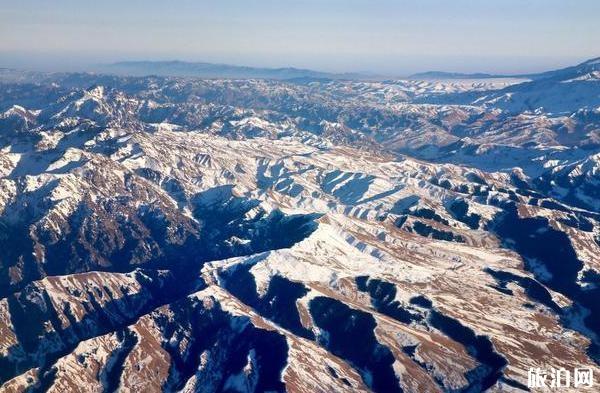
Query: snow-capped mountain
[[561, 91], [179, 234]]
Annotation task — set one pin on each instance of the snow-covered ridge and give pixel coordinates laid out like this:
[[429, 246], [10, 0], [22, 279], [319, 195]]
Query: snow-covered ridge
[[166, 234]]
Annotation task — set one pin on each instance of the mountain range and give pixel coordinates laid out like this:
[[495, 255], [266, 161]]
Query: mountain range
[[215, 71], [295, 231], [176, 68]]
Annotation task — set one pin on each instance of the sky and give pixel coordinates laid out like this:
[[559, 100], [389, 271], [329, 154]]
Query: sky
[[391, 37]]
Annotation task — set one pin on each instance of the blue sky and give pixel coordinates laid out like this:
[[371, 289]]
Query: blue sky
[[385, 36]]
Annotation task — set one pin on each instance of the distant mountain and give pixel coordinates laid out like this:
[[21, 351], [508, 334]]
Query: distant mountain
[[210, 70], [559, 92], [588, 66], [563, 73], [452, 75]]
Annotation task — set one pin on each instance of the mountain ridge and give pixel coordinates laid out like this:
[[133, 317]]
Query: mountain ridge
[[590, 64], [169, 234], [219, 70]]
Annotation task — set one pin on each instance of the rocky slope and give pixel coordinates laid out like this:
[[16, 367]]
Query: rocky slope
[[165, 234]]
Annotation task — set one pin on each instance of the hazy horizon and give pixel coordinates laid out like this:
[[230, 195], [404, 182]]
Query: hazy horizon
[[381, 37], [69, 62]]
